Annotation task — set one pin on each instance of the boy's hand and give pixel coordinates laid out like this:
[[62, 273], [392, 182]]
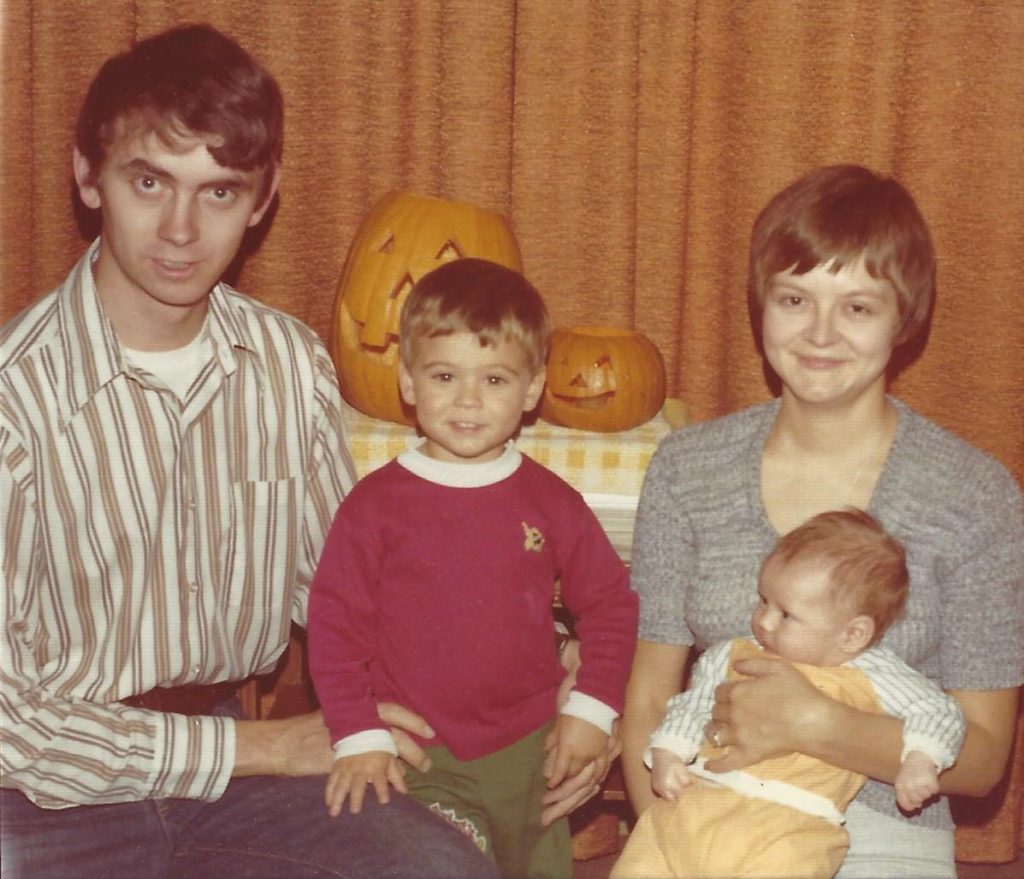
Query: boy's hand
[[350, 776], [577, 789], [571, 745], [916, 782], [668, 774]]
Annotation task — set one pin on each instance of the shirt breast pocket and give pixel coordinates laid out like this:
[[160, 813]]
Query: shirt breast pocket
[[259, 556]]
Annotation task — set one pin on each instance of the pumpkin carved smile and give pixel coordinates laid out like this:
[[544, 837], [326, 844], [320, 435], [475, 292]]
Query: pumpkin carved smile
[[602, 378]]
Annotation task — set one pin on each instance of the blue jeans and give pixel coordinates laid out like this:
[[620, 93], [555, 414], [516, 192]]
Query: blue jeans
[[277, 828]]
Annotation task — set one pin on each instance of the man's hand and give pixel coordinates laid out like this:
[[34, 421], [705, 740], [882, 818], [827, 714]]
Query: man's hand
[[294, 746], [403, 721], [668, 774], [570, 746], [916, 782], [301, 745], [350, 776]]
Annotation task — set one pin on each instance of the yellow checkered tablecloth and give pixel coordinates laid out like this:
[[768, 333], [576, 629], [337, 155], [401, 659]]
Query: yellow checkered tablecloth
[[606, 468]]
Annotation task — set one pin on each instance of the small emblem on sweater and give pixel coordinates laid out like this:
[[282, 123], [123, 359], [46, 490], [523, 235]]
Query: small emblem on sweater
[[534, 541]]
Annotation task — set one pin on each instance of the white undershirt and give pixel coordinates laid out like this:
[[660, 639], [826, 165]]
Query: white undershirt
[[177, 368]]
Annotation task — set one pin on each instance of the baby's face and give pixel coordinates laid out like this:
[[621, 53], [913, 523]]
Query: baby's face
[[795, 618]]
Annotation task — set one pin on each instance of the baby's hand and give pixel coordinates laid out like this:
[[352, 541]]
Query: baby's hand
[[571, 745], [668, 774], [350, 775], [916, 782]]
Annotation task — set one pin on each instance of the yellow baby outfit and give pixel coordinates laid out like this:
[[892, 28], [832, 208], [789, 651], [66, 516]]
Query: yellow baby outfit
[[716, 832]]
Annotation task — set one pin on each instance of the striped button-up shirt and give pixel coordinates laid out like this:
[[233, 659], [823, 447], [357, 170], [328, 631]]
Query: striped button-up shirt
[[149, 540]]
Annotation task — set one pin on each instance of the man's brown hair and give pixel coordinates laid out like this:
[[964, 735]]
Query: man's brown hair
[[186, 82]]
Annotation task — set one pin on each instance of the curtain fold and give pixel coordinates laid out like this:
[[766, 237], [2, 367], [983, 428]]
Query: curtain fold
[[631, 145]]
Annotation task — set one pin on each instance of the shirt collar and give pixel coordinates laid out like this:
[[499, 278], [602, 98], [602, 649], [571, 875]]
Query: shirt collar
[[92, 352], [457, 475]]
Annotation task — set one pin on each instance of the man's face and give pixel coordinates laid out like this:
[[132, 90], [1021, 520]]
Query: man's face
[[173, 220]]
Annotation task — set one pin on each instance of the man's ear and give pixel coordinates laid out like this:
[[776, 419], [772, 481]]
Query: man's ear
[[405, 385], [88, 190], [535, 389], [261, 209], [858, 634]]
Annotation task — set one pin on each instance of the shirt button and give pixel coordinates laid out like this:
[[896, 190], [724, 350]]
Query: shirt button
[[193, 588], [196, 669]]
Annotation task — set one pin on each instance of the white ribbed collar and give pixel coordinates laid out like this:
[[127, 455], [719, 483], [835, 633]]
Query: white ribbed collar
[[462, 475]]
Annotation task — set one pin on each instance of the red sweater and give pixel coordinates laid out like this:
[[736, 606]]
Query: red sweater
[[439, 598]]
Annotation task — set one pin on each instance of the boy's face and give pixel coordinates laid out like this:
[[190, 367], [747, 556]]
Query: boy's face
[[796, 619], [830, 336], [172, 222], [469, 399]]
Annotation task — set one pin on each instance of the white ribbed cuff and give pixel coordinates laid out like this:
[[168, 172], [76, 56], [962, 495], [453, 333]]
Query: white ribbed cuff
[[364, 742], [591, 710]]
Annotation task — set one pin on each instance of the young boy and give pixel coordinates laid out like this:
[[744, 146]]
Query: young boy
[[436, 584], [171, 452], [827, 594]]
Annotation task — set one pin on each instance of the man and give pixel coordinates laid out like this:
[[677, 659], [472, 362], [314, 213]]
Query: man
[[171, 455]]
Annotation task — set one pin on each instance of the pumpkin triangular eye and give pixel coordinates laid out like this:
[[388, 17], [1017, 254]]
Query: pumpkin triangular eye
[[450, 251], [402, 287], [387, 245]]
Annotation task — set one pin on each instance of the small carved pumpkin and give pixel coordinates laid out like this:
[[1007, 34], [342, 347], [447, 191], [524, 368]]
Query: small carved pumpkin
[[403, 237], [602, 378]]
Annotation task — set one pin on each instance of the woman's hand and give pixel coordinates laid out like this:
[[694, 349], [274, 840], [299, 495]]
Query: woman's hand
[[772, 712]]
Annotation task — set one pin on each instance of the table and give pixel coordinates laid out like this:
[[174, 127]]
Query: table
[[606, 468]]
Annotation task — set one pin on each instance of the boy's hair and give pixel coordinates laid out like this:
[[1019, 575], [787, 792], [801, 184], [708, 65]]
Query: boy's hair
[[187, 81], [835, 216], [867, 568], [481, 297]]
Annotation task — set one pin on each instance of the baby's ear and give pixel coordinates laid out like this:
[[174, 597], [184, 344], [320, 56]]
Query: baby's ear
[[858, 634]]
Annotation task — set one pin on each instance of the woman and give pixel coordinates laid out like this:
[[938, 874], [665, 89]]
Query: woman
[[841, 277]]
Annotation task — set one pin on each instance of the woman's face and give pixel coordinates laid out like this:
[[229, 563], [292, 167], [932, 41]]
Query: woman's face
[[829, 336]]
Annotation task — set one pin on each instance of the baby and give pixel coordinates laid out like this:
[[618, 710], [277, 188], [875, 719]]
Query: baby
[[827, 593]]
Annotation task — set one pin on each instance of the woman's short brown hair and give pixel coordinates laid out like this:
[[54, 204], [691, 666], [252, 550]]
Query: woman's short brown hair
[[834, 217]]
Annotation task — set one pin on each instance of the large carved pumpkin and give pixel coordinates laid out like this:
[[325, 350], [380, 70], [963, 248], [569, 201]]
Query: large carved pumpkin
[[602, 378], [402, 238]]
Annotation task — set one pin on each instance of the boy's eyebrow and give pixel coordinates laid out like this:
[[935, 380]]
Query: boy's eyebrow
[[448, 364]]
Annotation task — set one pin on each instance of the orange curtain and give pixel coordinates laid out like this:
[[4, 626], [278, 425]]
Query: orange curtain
[[630, 143]]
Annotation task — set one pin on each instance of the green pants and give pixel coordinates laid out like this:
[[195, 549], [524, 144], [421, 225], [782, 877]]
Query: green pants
[[496, 801]]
